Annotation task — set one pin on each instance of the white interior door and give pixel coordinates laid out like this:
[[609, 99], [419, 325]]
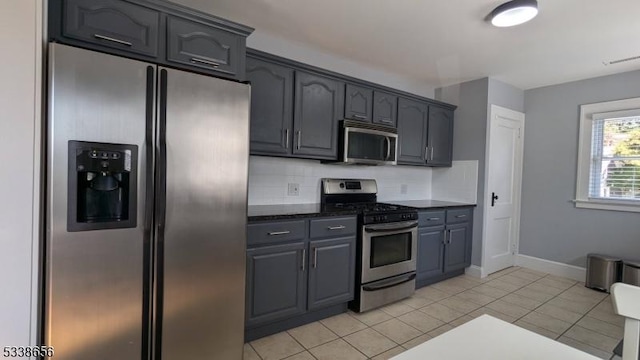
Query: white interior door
[[502, 189]]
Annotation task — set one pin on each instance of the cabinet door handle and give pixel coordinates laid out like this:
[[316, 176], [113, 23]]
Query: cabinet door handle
[[315, 257], [273, 233], [444, 242], [299, 136], [359, 117], [339, 227], [204, 62], [461, 216], [304, 256], [386, 121], [426, 153], [433, 219], [431, 156], [107, 38], [286, 137]]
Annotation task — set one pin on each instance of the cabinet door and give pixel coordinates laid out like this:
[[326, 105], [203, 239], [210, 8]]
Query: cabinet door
[[358, 103], [205, 47], [114, 24], [271, 107], [385, 108], [276, 287], [331, 271], [319, 105], [440, 136], [412, 132], [430, 251], [455, 252]]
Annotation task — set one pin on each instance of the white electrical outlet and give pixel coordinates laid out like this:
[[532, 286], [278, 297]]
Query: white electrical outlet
[[293, 189], [403, 188]]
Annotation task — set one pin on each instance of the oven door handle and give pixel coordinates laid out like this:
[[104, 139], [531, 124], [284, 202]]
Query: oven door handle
[[391, 227], [387, 283]]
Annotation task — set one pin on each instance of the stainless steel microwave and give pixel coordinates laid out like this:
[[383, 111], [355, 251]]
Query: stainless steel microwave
[[368, 144]]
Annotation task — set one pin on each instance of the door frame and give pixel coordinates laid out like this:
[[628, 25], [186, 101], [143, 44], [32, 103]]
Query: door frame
[[494, 112]]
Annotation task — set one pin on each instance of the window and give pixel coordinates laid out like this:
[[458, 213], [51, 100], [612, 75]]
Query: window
[[609, 156]]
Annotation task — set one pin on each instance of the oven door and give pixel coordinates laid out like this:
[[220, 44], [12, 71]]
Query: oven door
[[368, 146], [388, 250]]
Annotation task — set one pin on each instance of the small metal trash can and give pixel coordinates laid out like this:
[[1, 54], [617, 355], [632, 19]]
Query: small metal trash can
[[602, 271], [631, 272]]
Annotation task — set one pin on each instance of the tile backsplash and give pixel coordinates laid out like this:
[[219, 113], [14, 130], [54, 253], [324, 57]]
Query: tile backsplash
[[457, 183], [269, 178]]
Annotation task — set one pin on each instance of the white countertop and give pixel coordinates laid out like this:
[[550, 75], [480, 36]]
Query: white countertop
[[488, 338]]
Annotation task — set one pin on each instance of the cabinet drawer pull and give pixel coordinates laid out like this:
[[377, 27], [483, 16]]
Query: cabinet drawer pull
[[304, 255], [461, 216], [339, 227], [118, 41], [279, 233], [387, 121], [205, 62], [360, 117], [433, 219]]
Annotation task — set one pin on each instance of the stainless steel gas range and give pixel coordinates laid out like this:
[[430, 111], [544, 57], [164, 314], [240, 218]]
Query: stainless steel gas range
[[387, 242]]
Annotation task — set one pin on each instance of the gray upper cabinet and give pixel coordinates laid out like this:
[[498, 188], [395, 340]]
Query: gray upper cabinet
[[412, 132], [358, 103], [385, 108], [206, 47], [276, 283], [271, 107], [155, 31], [114, 24], [318, 108], [440, 136], [331, 271]]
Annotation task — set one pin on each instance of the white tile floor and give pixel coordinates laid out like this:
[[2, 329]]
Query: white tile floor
[[556, 307]]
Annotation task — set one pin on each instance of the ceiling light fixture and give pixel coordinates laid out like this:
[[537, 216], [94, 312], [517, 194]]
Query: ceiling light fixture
[[514, 12]]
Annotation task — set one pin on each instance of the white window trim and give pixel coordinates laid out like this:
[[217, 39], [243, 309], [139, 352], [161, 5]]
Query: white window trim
[[587, 113]]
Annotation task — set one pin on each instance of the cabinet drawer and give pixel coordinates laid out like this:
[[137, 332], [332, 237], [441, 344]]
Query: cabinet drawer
[[272, 232], [204, 47], [431, 218], [329, 227], [459, 215], [114, 24]]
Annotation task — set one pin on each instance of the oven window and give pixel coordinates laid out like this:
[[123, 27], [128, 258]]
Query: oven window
[[366, 146], [390, 249]]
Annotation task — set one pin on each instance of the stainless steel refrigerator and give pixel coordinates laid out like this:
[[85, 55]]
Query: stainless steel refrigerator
[[146, 210]]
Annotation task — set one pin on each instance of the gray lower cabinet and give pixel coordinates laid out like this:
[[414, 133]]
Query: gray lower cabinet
[[114, 24], [444, 243], [318, 106], [276, 282], [440, 136], [271, 107], [295, 267], [412, 132], [331, 271], [358, 103]]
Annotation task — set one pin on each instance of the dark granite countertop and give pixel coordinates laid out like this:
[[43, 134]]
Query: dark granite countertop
[[293, 211], [301, 211], [428, 203]]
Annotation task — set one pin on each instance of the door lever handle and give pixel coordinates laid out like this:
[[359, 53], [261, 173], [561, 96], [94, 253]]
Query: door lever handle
[[494, 197]]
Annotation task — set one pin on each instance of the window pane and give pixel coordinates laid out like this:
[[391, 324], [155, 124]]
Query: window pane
[[615, 170]]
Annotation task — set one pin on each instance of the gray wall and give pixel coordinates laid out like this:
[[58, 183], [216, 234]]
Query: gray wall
[[552, 227], [470, 127], [474, 99]]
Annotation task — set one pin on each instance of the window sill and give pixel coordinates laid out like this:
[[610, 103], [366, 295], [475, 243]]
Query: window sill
[[608, 205]]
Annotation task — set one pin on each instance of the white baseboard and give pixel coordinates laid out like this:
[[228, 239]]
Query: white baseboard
[[552, 267], [474, 270]]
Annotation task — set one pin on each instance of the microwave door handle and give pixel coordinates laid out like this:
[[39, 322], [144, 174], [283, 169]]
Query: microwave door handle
[[388, 148]]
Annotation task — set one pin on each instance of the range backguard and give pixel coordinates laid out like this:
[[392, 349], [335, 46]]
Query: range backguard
[[102, 186]]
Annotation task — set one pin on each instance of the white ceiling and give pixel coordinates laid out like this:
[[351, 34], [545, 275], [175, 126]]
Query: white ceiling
[[444, 42]]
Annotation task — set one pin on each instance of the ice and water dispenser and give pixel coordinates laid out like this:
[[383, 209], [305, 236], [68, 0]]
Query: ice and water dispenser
[[102, 186]]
